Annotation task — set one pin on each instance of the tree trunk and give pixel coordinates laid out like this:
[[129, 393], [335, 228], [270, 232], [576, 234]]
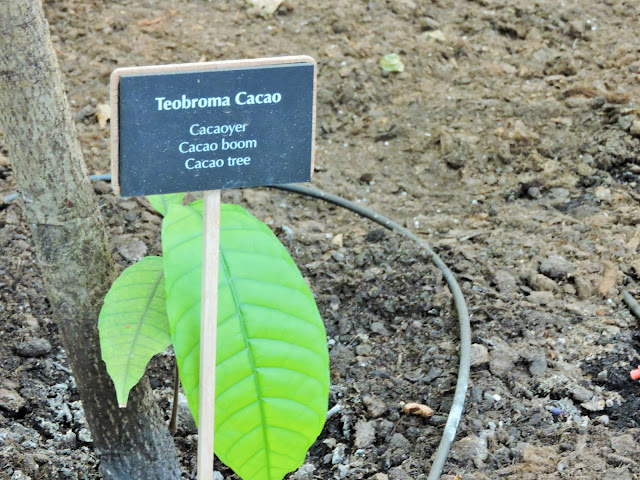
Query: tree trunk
[[71, 243]]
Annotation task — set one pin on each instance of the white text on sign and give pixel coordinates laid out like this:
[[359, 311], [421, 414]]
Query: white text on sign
[[223, 144], [241, 98]]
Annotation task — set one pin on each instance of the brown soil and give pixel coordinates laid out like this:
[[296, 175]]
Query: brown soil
[[511, 139]]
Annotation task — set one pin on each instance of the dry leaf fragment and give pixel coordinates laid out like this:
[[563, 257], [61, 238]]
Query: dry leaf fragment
[[267, 7], [413, 408], [391, 62], [519, 132], [594, 405], [562, 121], [633, 244], [149, 22], [103, 114], [609, 279], [435, 35]]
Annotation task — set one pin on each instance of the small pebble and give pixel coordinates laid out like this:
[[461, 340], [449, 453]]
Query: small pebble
[[428, 23], [581, 394], [625, 445], [101, 187], [84, 435], [397, 473], [365, 434], [625, 122], [10, 400], [556, 267], [337, 256], [366, 178], [471, 448], [584, 288], [541, 283], [287, 231], [19, 475], [69, 438], [132, 248], [479, 355], [376, 235], [502, 362], [504, 281], [339, 454], [343, 471], [379, 476], [380, 329], [437, 420], [84, 112], [534, 193], [433, 373], [598, 102], [399, 441], [34, 347], [305, 472], [538, 365], [375, 406]]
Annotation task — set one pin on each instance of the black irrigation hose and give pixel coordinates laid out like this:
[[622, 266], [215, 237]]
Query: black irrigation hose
[[631, 303], [461, 307]]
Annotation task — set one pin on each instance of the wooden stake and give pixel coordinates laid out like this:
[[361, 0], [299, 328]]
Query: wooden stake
[[208, 332]]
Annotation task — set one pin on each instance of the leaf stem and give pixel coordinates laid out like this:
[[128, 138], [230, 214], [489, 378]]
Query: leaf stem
[[173, 423]]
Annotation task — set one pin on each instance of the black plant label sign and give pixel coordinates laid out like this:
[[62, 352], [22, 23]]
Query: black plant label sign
[[210, 126]]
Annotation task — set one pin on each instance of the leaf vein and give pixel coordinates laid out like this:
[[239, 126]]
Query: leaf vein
[[139, 326], [291, 370], [279, 340], [234, 413], [236, 301]]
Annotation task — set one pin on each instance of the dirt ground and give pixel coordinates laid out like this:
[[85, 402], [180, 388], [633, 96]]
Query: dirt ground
[[510, 142]]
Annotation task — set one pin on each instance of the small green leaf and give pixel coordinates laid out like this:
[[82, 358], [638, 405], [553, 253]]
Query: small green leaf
[[162, 202], [272, 379], [133, 324], [392, 63]]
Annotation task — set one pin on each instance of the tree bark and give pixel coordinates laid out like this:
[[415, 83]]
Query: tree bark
[[71, 243]]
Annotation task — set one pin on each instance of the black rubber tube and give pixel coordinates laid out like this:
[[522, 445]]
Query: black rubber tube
[[462, 384], [631, 303], [455, 413]]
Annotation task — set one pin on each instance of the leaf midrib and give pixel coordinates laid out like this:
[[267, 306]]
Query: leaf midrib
[[245, 336], [138, 328]]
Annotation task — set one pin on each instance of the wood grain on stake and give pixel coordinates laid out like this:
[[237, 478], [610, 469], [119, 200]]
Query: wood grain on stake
[[194, 67], [208, 332]]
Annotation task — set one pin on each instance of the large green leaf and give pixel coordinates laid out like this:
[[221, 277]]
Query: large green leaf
[[162, 202], [133, 324], [272, 379]]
